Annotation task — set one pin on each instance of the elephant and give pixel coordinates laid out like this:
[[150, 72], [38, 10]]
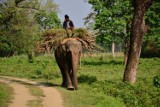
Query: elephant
[[67, 55]]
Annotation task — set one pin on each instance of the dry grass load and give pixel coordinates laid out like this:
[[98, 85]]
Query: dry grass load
[[53, 37]]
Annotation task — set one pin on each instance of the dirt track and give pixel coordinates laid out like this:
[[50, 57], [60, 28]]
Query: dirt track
[[22, 96]]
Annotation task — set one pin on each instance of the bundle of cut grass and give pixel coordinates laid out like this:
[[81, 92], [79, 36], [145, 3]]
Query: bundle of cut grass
[[52, 38]]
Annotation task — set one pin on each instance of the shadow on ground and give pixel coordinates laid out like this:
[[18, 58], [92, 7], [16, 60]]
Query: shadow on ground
[[112, 62]]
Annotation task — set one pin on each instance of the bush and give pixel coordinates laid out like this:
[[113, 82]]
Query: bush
[[156, 81], [87, 79]]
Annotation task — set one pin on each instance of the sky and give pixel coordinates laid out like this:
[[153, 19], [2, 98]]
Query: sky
[[76, 9]]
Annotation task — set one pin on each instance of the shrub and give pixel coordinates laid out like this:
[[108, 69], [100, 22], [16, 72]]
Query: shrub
[[87, 79], [156, 81]]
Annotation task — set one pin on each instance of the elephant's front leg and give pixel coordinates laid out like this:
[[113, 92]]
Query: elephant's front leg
[[59, 59], [68, 78], [64, 80]]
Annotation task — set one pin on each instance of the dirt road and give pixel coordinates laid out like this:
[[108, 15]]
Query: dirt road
[[22, 96]]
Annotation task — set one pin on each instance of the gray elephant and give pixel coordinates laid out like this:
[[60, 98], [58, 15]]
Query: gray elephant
[[68, 55]]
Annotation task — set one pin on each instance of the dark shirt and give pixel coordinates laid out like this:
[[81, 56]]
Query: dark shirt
[[71, 25]]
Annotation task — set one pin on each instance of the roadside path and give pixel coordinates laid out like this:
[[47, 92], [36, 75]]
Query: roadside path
[[52, 97]]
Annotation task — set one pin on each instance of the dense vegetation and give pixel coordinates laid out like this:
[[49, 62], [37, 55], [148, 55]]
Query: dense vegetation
[[100, 80], [100, 77], [113, 18], [21, 24]]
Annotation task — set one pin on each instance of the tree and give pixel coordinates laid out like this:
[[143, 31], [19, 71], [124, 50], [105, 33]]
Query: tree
[[48, 20], [19, 30], [151, 45], [137, 32], [47, 17], [113, 18]]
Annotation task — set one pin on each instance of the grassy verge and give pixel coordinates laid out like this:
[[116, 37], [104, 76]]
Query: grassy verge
[[35, 91], [38, 93], [100, 80], [6, 93]]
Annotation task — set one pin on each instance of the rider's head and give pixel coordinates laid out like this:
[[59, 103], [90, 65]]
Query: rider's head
[[66, 17]]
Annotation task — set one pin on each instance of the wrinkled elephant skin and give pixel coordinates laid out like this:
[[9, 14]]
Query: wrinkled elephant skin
[[67, 56]]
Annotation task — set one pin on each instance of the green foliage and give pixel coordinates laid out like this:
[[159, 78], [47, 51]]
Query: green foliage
[[108, 101], [35, 91], [20, 29], [87, 79], [109, 83], [151, 46], [100, 80], [48, 20], [40, 68], [47, 17], [0, 17], [156, 81], [112, 19], [5, 94]]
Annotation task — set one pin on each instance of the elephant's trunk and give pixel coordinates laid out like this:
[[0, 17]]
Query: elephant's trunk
[[75, 62]]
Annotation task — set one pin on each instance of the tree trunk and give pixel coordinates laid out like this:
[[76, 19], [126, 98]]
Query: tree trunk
[[136, 38], [126, 51], [113, 49], [127, 43]]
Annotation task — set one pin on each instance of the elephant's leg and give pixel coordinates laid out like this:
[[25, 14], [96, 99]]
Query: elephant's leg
[[74, 79], [69, 82], [64, 80], [69, 73], [60, 63]]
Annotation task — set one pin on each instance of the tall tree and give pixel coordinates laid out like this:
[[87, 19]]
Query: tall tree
[[47, 17], [137, 32], [112, 20], [48, 20], [18, 29]]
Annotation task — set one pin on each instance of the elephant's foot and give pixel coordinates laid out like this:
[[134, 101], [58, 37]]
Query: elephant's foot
[[70, 87]]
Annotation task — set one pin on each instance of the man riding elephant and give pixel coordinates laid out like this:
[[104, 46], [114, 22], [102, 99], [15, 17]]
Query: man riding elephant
[[68, 25], [67, 56]]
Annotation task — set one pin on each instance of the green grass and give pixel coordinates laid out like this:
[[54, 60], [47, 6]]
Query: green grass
[[38, 93], [35, 91], [100, 80], [42, 67], [6, 93]]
